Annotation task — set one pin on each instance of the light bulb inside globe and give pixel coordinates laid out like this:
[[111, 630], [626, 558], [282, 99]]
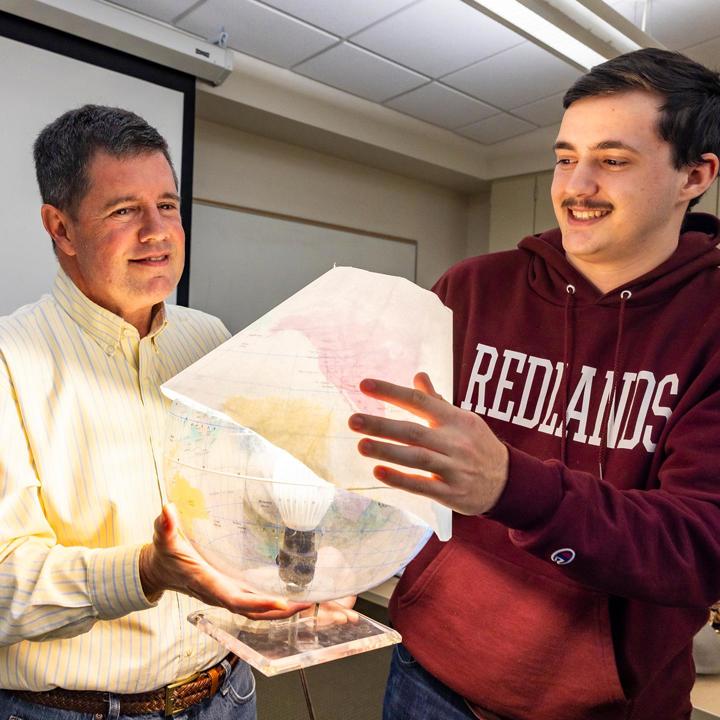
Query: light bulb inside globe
[[302, 499]]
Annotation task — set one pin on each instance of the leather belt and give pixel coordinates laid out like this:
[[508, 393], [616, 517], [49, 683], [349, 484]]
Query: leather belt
[[170, 700]]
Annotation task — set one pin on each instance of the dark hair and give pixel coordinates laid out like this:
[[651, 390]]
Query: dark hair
[[65, 147], [690, 112]]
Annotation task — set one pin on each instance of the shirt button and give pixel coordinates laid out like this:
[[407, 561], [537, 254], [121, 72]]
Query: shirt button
[[189, 652], [110, 349]]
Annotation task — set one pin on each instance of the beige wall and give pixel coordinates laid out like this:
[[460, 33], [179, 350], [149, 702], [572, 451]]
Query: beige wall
[[710, 202], [478, 224], [519, 206], [239, 168]]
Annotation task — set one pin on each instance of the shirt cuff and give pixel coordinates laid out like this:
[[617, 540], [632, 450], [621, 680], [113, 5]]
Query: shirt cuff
[[532, 493], [114, 582]]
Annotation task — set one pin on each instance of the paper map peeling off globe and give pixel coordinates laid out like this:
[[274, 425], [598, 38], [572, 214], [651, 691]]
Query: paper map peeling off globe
[[260, 461]]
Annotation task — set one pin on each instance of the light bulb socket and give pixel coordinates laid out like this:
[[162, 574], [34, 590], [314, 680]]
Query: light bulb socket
[[297, 558]]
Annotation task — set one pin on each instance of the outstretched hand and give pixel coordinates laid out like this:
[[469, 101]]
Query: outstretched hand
[[467, 462], [171, 563]]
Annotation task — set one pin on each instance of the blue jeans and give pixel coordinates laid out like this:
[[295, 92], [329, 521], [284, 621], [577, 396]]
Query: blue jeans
[[412, 693], [235, 700]]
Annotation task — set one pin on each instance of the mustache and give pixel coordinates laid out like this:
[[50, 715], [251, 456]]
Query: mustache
[[585, 204]]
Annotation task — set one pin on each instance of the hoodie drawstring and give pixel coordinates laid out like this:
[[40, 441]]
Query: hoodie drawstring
[[570, 290], [625, 295]]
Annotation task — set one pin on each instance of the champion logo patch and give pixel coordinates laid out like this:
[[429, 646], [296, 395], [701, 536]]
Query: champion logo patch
[[564, 556]]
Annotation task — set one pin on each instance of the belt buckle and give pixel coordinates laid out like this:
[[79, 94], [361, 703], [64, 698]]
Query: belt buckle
[[170, 708]]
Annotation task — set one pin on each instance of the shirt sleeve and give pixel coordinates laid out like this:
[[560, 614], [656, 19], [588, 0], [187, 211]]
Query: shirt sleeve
[[49, 590], [660, 545]]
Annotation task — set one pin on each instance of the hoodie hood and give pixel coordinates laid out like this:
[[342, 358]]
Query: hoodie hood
[[549, 271]]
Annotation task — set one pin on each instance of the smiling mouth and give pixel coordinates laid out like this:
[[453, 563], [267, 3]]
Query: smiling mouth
[[587, 214], [152, 260]]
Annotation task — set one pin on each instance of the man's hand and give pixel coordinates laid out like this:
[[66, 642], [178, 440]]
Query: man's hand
[[469, 465], [171, 563], [334, 612]]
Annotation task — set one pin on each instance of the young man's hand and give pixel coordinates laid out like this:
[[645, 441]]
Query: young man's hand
[[468, 464]]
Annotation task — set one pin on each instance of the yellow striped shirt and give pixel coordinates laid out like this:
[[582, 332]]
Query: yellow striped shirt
[[81, 435]]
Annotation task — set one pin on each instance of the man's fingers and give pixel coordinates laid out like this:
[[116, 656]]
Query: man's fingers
[[332, 612], [402, 431], [250, 602], [212, 587], [163, 529], [422, 382], [341, 610], [430, 487], [419, 458], [268, 614], [413, 400], [336, 616], [167, 523]]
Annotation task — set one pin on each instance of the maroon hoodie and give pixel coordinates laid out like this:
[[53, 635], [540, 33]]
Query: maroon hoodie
[[578, 595]]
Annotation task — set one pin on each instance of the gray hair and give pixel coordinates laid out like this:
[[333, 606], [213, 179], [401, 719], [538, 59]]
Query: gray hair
[[66, 146]]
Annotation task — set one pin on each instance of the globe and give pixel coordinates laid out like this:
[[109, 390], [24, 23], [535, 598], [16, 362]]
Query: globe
[[255, 513]]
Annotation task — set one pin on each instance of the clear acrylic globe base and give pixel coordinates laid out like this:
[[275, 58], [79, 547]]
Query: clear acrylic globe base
[[257, 515], [278, 646]]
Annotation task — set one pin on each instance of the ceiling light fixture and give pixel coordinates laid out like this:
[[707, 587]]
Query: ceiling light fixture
[[582, 32]]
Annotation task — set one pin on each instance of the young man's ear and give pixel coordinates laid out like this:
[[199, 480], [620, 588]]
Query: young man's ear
[[56, 223], [700, 177]]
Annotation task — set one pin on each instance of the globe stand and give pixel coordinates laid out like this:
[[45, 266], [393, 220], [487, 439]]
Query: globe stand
[[279, 646]]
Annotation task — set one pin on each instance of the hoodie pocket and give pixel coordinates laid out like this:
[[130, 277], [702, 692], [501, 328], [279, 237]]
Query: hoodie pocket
[[418, 584], [516, 642]]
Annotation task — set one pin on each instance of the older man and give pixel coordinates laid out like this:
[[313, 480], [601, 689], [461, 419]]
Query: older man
[[81, 436]]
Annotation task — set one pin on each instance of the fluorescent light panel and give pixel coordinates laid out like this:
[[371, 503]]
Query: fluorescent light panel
[[548, 34], [596, 25]]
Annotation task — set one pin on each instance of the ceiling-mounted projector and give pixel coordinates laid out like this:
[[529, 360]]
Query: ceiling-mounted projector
[[125, 30]]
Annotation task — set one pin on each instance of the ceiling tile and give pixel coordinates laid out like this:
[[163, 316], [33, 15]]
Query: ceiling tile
[[547, 111], [677, 24], [258, 30], [707, 53], [515, 77], [359, 72], [165, 10], [436, 37], [442, 106], [499, 127], [342, 18]]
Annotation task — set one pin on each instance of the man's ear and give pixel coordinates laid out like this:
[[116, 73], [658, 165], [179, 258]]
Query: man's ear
[[700, 177], [57, 225]]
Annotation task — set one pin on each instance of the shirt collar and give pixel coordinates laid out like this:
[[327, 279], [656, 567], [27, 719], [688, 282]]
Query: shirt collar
[[103, 326]]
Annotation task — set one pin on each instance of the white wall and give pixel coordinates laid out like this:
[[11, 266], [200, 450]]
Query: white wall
[[239, 168]]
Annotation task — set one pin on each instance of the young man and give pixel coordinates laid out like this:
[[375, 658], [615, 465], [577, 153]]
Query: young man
[[583, 458], [81, 438]]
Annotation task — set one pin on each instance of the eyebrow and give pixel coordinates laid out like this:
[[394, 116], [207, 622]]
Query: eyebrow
[[134, 198], [604, 145]]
